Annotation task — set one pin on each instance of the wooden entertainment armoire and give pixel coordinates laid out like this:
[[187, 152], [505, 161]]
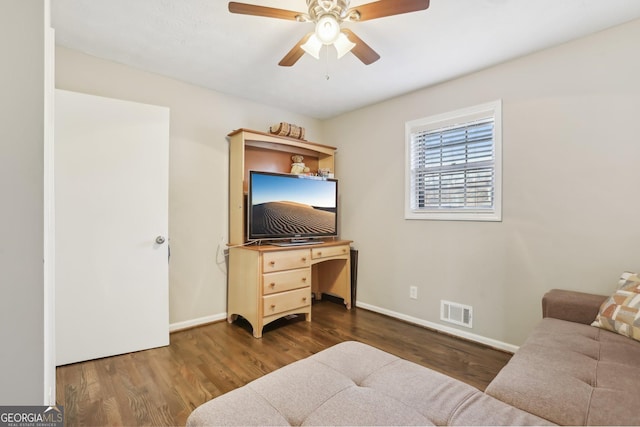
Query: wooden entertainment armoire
[[267, 282]]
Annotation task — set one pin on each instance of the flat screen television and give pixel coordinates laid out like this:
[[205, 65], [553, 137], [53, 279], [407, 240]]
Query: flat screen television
[[296, 207]]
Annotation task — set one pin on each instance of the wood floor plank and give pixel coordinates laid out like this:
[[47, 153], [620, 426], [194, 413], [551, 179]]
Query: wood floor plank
[[162, 386]]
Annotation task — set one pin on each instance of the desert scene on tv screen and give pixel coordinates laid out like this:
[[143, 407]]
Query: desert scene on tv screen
[[290, 218], [289, 206]]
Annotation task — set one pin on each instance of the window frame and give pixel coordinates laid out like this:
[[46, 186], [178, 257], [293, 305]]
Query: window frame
[[459, 117]]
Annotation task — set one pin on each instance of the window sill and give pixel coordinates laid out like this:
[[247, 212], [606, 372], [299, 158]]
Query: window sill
[[454, 216]]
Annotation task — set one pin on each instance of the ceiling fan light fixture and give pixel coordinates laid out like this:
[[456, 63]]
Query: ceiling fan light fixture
[[327, 29], [343, 45], [312, 46], [328, 15]]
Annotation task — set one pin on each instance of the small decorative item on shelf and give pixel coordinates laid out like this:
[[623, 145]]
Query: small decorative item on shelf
[[287, 129], [298, 167], [281, 129], [325, 173]]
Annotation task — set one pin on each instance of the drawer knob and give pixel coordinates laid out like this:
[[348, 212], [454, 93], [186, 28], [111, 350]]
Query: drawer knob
[[319, 253], [272, 263], [304, 299], [273, 285], [304, 279], [304, 258], [273, 306]]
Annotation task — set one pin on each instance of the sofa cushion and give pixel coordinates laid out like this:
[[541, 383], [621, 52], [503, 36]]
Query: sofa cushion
[[355, 384], [621, 311], [573, 374]]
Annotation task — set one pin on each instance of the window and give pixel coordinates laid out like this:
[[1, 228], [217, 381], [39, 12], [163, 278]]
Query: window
[[453, 165]]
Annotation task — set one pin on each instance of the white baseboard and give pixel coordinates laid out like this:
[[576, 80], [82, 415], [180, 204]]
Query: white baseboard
[[178, 326], [442, 328]]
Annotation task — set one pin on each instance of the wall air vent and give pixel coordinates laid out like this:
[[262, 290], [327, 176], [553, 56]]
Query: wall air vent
[[455, 313]]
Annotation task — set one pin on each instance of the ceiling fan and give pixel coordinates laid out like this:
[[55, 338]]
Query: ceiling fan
[[327, 15]]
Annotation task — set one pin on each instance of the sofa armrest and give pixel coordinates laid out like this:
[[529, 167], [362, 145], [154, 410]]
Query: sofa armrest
[[573, 306]]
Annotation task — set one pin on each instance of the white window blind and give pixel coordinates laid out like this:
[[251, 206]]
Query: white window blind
[[452, 166]]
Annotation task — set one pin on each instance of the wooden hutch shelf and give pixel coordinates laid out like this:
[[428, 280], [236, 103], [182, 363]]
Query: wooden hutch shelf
[[267, 282], [252, 150]]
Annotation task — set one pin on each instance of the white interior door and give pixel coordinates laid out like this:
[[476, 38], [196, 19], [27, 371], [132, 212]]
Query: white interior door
[[111, 196]]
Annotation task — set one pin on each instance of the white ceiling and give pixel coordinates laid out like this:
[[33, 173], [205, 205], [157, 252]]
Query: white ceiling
[[200, 42]]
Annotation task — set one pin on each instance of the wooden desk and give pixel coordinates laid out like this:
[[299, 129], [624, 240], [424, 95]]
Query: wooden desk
[[269, 282]]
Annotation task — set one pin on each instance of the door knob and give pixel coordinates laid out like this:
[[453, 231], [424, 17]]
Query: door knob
[[160, 240]]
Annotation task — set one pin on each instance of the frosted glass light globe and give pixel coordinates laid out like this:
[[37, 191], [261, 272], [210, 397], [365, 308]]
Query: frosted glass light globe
[[327, 29]]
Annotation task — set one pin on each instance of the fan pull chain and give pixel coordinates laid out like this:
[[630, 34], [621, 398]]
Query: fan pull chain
[[327, 77]]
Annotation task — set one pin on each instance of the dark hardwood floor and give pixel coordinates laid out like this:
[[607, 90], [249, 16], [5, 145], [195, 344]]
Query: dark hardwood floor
[[162, 386]]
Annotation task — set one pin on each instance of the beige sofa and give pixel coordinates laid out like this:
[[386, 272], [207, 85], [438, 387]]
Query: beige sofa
[[572, 373], [566, 373]]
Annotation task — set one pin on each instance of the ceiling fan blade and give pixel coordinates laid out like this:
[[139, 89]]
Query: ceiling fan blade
[[361, 50], [269, 12], [382, 8], [295, 53]]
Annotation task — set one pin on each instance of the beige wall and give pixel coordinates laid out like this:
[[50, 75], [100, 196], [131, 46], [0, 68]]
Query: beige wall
[[22, 323], [570, 188], [200, 121]]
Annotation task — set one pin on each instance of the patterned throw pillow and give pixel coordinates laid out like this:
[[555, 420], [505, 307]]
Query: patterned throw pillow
[[626, 278], [621, 311]]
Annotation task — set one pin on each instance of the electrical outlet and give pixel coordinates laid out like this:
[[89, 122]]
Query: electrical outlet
[[413, 292]]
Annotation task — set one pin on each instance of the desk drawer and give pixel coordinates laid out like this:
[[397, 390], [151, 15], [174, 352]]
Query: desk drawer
[[285, 280], [330, 251], [285, 260], [284, 301]]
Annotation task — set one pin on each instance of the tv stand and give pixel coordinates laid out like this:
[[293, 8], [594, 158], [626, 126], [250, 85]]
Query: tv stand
[[269, 282], [297, 242]]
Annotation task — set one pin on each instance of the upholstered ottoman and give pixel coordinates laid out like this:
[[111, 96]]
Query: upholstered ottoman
[[355, 384]]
